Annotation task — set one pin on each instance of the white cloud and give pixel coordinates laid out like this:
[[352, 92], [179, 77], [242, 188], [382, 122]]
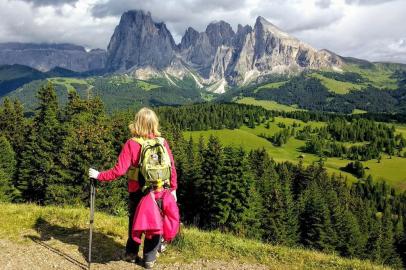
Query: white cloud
[[373, 29], [366, 32]]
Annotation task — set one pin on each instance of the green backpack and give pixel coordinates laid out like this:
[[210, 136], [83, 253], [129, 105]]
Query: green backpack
[[154, 165]]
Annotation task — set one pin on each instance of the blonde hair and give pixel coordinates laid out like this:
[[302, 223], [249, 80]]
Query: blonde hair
[[145, 123]]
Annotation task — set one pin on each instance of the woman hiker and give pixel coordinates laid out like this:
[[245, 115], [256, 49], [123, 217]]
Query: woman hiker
[[144, 128]]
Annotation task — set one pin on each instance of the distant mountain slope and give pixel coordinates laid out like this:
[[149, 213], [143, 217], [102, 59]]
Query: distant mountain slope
[[47, 56], [14, 76], [360, 86], [118, 92]]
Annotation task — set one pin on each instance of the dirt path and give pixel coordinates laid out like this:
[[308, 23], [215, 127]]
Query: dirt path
[[53, 254]]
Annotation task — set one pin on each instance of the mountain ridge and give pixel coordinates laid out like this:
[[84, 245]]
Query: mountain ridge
[[218, 55]]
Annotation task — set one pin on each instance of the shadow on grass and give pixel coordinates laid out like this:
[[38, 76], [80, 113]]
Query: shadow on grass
[[104, 248]]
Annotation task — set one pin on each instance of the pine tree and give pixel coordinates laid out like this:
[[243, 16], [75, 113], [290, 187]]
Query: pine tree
[[315, 226], [87, 143], [346, 238], [239, 196], [388, 252], [211, 182], [188, 189], [12, 123], [7, 171], [39, 158], [290, 212]]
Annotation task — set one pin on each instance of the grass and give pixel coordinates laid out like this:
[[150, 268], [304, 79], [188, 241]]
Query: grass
[[67, 82], [247, 139], [337, 87], [267, 104], [273, 85], [401, 129], [378, 76], [69, 225], [357, 111], [125, 79], [392, 170]]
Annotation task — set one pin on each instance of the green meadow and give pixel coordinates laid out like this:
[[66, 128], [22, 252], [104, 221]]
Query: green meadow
[[71, 84], [125, 79], [392, 170], [267, 104], [335, 86], [273, 85], [379, 76]]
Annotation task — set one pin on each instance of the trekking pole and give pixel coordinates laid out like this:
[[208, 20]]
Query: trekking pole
[[92, 200]]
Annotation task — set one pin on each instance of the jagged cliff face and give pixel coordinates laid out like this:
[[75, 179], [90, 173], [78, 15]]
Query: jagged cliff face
[[218, 56], [140, 42], [47, 56]]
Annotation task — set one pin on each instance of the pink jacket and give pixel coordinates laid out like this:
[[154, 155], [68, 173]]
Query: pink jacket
[[130, 155], [150, 220]]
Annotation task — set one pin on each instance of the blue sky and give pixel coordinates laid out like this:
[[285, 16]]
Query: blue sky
[[368, 29]]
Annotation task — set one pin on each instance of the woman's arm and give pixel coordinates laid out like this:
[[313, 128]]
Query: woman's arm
[[174, 177], [122, 165]]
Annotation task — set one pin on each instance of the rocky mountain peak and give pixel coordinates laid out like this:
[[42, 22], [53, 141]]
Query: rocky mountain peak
[[263, 25], [189, 38], [216, 55], [219, 33], [138, 41]]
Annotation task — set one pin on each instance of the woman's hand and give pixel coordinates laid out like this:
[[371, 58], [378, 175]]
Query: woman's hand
[[174, 194], [93, 173]]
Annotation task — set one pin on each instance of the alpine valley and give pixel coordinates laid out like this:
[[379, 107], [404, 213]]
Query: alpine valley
[[144, 66]]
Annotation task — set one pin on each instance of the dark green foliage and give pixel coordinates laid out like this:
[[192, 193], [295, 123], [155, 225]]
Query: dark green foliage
[[12, 123], [315, 226], [309, 93], [377, 138], [39, 158], [212, 116], [8, 164], [210, 185], [306, 92], [344, 77], [356, 168], [239, 195], [130, 95]]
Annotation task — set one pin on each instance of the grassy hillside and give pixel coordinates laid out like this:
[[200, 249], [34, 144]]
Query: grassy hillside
[[335, 86], [359, 86], [65, 230], [267, 104], [118, 92], [392, 170]]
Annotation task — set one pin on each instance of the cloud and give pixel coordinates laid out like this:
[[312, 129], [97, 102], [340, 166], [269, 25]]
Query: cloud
[[365, 33], [323, 3], [299, 15], [367, 2], [44, 3], [118, 7], [21, 22]]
